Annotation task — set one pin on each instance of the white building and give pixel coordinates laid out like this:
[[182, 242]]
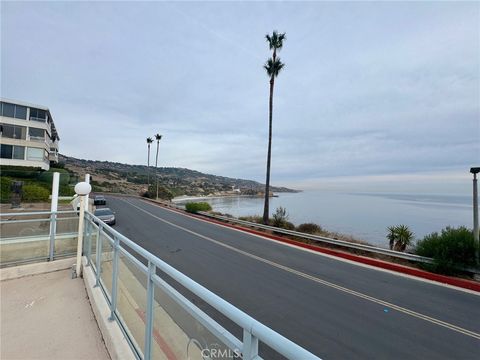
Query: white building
[[28, 136]]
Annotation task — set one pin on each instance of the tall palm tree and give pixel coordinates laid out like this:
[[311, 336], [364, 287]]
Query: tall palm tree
[[273, 67], [158, 137], [149, 141]]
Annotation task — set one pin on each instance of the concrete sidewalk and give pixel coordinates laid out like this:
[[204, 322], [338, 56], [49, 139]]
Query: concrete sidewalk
[[48, 316]]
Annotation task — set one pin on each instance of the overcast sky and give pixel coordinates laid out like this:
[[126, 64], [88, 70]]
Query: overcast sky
[[371, 91]]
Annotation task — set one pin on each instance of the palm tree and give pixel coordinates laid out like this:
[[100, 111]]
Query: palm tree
[[149, 141], [273, 67], [158, 137]]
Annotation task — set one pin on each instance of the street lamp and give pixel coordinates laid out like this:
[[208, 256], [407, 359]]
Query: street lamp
[[475, 171], [82, 189]]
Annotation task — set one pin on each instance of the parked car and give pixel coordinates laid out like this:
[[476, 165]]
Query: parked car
[[99, 200], [106, 215]]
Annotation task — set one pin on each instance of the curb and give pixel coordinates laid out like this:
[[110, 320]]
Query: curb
[[444, 279]]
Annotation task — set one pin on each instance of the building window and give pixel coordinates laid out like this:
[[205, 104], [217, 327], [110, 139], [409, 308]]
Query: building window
[[21, 112], [13, 131], [35, 154], [36, 134], [6, 151], [8, 110], [19, 152], [38, 115], [14, 111], [13, 152]]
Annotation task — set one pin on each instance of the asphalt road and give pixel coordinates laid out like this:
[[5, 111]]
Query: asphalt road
[[335, 309]]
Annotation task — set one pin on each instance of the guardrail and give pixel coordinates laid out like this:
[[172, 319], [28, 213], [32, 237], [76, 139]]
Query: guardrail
[[114, 252], [341, 243]]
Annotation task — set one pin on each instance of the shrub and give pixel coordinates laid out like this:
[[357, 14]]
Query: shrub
[[309, 228], [5, 184], [196, 207], [279, 217], [34, 192], [452, 248], [399, 237]]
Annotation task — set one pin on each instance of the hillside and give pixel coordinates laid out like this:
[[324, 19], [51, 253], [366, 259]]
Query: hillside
[[133, 179]]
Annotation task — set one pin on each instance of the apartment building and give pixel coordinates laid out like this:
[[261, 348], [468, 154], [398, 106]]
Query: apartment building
[[28, 136]]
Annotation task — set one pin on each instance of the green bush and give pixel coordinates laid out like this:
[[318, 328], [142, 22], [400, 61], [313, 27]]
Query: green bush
[[5, 184], [451, 249], [34, 192], [196, 207], [66, 190], [309, 228]]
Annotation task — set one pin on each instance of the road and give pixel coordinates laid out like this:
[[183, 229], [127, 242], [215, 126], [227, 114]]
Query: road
[[333, 308]]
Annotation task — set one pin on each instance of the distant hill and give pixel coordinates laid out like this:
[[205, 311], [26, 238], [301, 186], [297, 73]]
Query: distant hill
[[133, 179]]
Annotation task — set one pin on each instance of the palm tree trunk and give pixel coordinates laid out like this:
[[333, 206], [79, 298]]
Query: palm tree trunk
[[148, 168], [266, 210], [156, 167]]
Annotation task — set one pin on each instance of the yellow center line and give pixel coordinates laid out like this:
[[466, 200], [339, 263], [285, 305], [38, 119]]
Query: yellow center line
[[320, 281]]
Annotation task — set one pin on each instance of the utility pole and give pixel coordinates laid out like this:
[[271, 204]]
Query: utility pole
[[475, 171]]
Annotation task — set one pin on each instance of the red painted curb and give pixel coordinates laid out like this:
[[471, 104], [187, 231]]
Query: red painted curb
[[462, 283]]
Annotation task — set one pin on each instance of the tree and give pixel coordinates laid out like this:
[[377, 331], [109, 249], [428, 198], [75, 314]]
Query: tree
[[273, 66], [158, 137], [149, 141]]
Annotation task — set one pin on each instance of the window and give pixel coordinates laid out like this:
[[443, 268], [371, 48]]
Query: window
[[21, 112], [8, 110], [13, 131], [36, 134], [6, 151], [19, 152], [13, 152], [38, 114], [12, 110], [35, 154]]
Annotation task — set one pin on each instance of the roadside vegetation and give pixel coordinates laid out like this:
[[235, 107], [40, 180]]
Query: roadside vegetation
[[450, 249], [399, 237], [195, 207], [280, 219]]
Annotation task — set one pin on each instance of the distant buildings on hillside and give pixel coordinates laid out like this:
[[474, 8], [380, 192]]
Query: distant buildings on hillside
[[28, 136]]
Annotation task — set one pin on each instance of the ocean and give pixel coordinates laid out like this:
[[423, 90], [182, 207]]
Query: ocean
[[365, 216]]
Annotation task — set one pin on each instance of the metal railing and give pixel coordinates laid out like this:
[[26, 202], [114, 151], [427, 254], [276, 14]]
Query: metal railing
[[37, 236], [120, 265]]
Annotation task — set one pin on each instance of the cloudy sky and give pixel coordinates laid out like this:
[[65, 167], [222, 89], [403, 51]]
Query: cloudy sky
[[373, 93]]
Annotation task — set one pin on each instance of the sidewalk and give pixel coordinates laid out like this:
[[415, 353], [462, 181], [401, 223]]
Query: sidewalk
[[48, 316]]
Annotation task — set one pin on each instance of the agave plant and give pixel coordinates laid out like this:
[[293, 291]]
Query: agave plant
[[399, 237]]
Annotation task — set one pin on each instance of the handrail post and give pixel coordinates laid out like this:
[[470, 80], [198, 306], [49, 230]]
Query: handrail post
[[99, 255], [113, 306], [53, 231], [88, 243], [149, 312], [250, 345]]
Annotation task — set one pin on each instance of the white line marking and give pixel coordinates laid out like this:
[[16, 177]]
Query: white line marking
[[323, 282]]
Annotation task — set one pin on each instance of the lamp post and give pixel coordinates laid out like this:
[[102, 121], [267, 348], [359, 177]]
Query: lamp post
[[82, 189], [475, 171]]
